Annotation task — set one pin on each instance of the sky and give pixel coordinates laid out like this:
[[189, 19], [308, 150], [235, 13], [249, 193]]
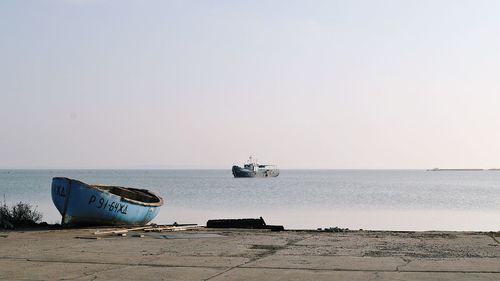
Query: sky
[[126, 84]]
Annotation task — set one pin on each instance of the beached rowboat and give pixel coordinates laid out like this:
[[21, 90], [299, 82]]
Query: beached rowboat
[[83, 204]]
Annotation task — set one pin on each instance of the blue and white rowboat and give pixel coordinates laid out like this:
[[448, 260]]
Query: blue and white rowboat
[[80, 203]]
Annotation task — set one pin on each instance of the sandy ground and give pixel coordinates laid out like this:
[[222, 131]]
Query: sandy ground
[[249, 255]]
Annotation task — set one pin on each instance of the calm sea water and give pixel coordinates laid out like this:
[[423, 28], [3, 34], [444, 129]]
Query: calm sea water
[[297, 199]]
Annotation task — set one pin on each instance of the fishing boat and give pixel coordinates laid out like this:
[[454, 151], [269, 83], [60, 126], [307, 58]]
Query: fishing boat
[[83, 204], [252, 170]]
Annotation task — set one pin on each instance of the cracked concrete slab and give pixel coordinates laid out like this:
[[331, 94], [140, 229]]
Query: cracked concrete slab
[[28, 270], [321, 275], [134, 273], [328, 263], [454, 264], [197, 261]]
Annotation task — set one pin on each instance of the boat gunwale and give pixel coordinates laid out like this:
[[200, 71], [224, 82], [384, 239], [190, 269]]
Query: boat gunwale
[[136, 202]]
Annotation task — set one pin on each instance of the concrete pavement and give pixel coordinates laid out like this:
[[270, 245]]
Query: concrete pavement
[[249, 255]]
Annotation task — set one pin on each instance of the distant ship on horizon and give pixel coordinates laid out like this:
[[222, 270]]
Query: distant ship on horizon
[[252, 169], [461, 169]]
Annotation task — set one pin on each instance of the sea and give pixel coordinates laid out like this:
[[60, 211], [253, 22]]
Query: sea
[[412, 200]]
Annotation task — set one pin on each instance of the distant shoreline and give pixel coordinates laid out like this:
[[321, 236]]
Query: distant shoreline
[[461, 170]]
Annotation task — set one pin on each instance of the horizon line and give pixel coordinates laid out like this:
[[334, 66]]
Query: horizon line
[[219, 168]]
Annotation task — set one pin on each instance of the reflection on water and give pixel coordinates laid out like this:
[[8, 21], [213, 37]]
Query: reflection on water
[[367, 199]]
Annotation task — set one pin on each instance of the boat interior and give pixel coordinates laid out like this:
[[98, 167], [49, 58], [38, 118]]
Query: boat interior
[[135, 194]]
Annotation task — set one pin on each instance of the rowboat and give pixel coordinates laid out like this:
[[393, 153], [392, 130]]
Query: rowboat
[[83, 204]]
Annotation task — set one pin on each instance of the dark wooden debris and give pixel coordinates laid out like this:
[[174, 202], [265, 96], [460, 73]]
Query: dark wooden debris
[[248, 223]]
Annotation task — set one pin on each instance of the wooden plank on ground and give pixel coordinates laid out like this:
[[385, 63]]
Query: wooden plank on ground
[[119, 231]]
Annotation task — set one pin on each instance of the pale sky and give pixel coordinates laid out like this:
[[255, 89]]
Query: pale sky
[[203, 84]]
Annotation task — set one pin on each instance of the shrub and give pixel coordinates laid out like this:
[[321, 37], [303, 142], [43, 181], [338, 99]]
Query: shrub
[[4, 212], [21, 214]]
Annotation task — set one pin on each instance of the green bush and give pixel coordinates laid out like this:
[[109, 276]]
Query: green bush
[[21, 214]]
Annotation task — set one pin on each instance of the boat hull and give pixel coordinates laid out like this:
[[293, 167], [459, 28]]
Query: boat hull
[[83, 204], [239, 172]]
